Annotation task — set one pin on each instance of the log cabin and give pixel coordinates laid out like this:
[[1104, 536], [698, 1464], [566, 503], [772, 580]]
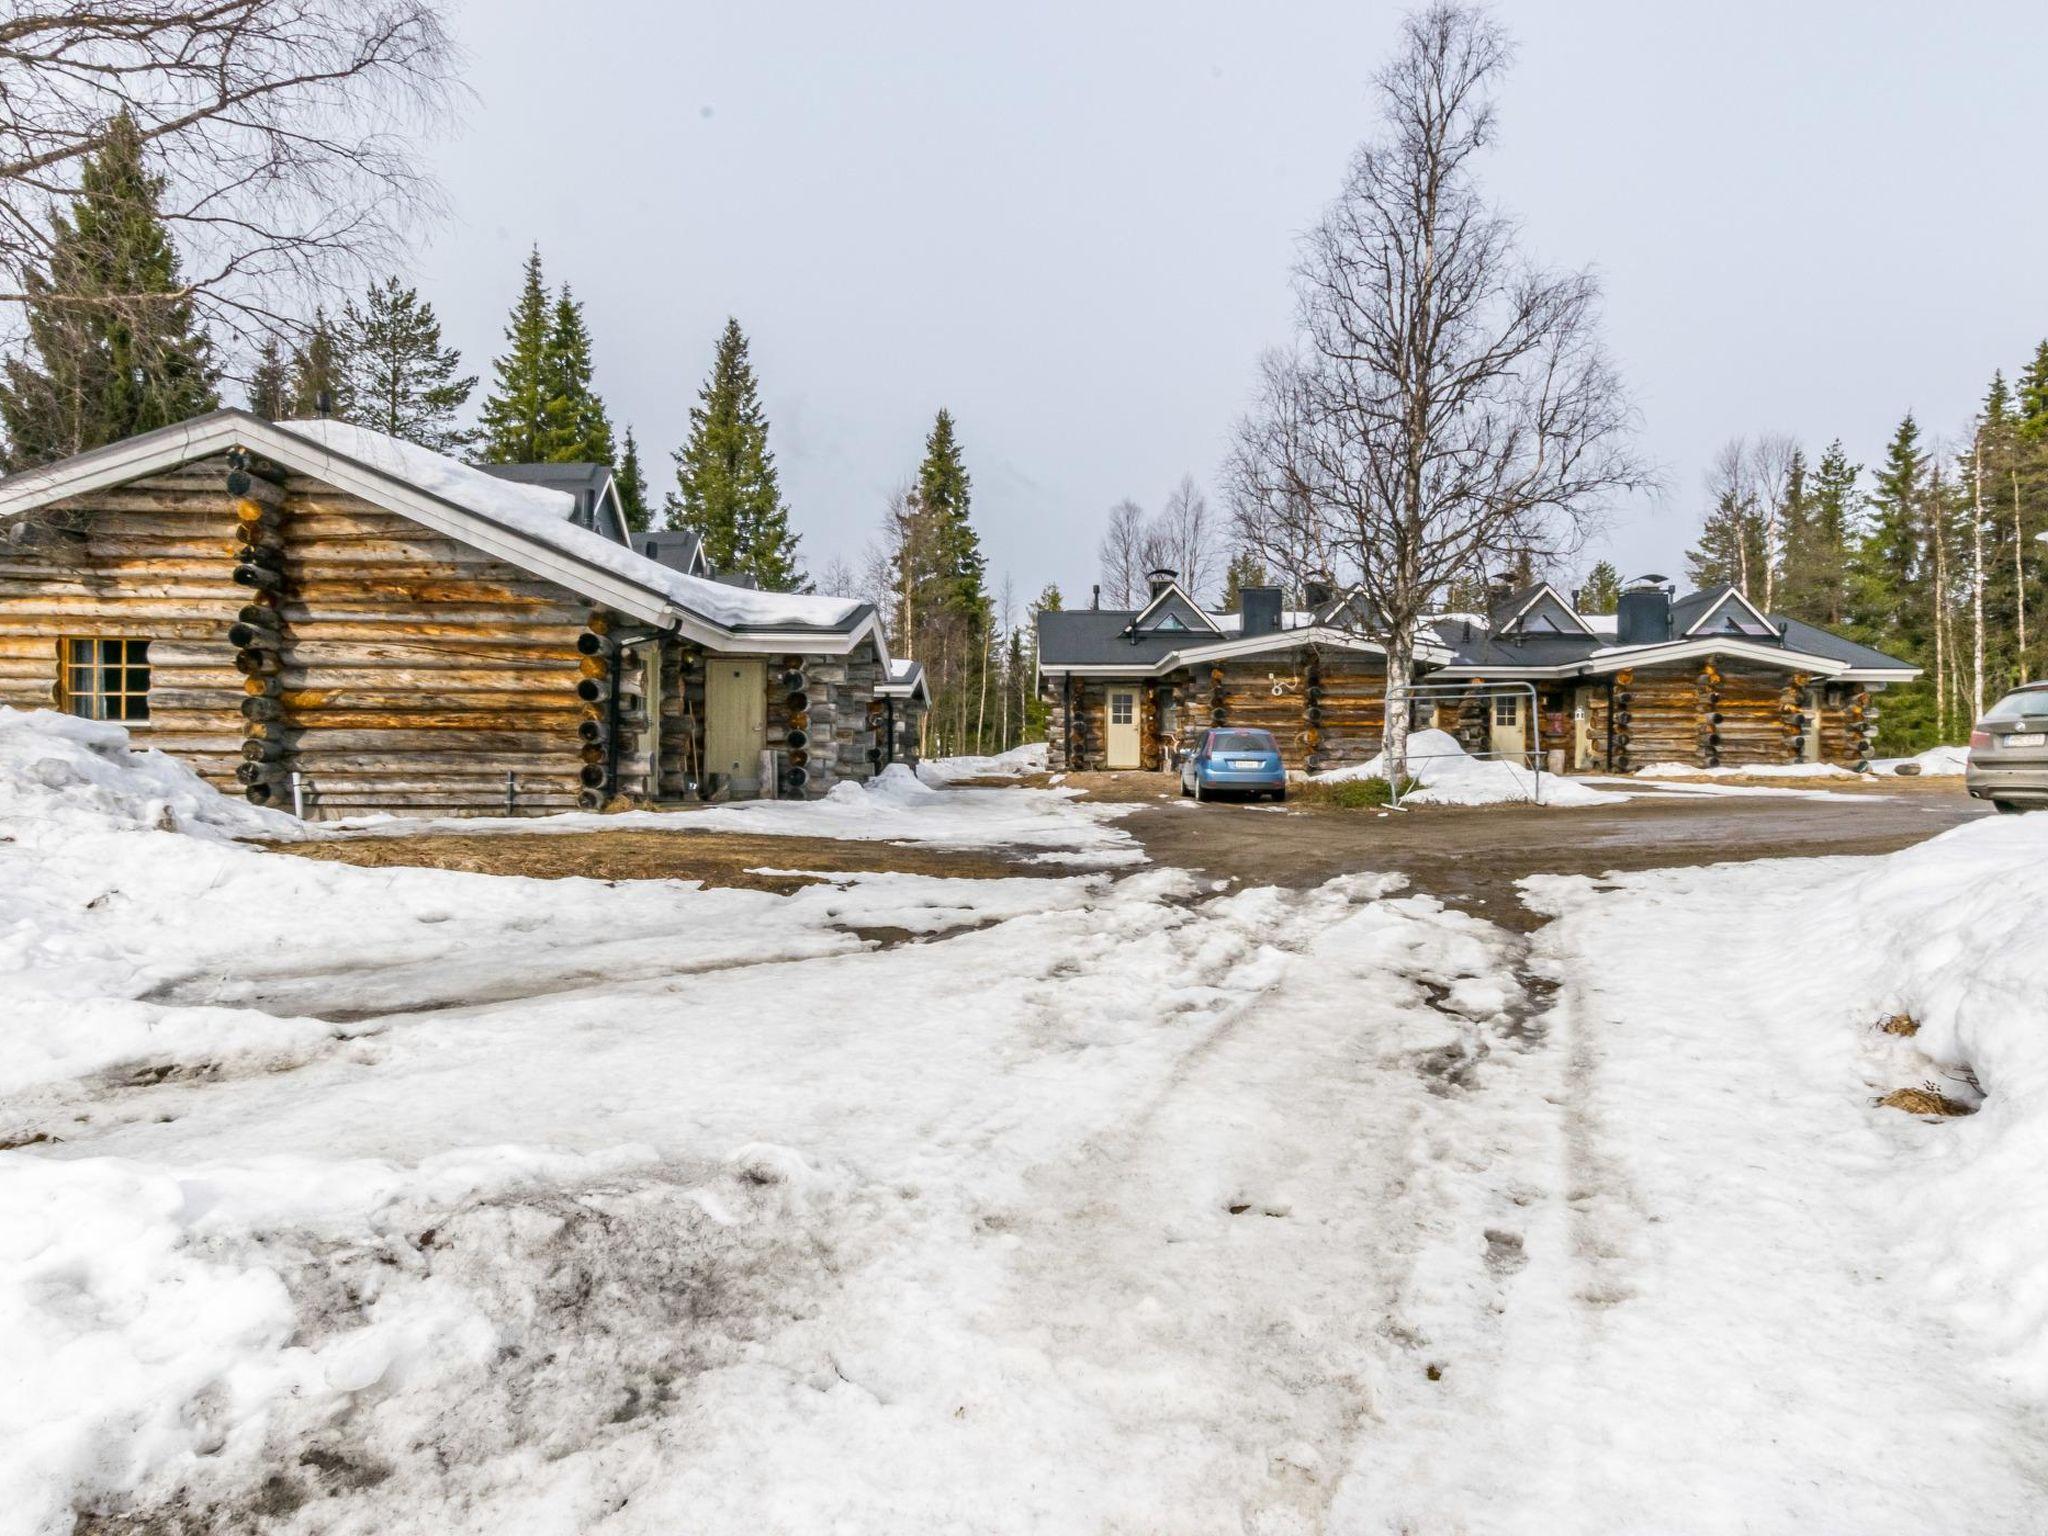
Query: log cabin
[[338, 622], [1707, 680], [1132, 688]]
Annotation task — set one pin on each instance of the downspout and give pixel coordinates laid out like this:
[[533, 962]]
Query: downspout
[[889, 731], [1610, 722], [611, 720], [1067, 717]]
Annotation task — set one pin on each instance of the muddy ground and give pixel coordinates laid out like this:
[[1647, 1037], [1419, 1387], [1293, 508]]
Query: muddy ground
[[716, 858], [1472, 856]]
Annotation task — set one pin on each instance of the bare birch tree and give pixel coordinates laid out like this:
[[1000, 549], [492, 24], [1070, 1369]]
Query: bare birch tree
[[1184, 538], [287, 132], [1123, 554], [1447, 401]]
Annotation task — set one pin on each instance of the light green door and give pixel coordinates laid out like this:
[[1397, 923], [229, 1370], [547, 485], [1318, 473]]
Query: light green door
[[736, 721]]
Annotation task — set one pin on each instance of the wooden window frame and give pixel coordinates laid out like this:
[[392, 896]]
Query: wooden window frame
[[1507, 709], [122, 705], [1123, 696]]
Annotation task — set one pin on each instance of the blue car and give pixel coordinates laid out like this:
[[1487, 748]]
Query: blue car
[[1246, 762]]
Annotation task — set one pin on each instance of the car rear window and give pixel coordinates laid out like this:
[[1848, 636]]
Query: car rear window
[[2027, 704], [1241, 741]]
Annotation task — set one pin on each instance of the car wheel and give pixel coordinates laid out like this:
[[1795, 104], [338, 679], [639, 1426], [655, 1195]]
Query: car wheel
[[2006, 807], [1184, 791], [1201, 791], [1279, 797]]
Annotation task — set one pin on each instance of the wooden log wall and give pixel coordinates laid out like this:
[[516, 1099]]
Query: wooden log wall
[[1088, 716], [1752, 717], [1326, 708], [1724, 714], [822, 714], [419, 672], [151, 560], [1657, 717]]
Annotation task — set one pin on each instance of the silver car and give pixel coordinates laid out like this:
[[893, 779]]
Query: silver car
[[2009, 751]]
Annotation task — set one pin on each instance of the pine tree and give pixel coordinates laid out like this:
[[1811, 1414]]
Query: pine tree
[[582, 432], [1245, 570], [632, 485], [401, 380], [269, 383], [1820, 519], [1731, 543], [106, 358], [1888, 573], [726, 484], [318, 381], [519, 415], [1602, 591]]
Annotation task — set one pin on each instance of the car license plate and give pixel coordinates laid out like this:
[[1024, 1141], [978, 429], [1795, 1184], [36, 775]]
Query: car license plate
[[1253, 762], [2027, 739]]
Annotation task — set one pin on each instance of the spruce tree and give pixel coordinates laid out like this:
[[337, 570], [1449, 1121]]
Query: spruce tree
[[318, 381], [1602, 591], [1819, 524], [581, 431], [632, 486], [726, 484], [1245, 570], [106, 357], [952, 599], [1731, 543], [1888, 574], [269, 383], [519, 414], [401, 380]]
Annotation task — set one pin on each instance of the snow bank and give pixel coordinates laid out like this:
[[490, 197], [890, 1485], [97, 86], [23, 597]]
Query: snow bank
[[1934, 763], [1013, 764], [61, 775], [1754, 771], [1451, 776]]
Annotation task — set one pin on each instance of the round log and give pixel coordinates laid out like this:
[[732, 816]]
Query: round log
[[594, 690]]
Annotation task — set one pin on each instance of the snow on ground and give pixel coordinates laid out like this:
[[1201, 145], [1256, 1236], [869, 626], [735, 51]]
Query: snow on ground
[[1013, 764], [1451, 776], [1751, 771], [1051, 826], [1935, 762], [396, 1201], [1765, 1303]]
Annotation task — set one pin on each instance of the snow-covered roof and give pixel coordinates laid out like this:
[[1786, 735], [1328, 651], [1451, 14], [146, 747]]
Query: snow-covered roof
[[543, 514], [524, 524]]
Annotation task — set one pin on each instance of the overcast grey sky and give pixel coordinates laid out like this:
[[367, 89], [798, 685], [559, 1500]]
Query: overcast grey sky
[[1071, 224]]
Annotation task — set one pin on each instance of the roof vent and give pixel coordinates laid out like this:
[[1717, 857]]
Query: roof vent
[[1162, 578], [1315, 593]]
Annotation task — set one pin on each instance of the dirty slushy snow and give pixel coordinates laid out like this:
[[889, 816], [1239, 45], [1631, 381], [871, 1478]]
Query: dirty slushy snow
[[407, 1200]]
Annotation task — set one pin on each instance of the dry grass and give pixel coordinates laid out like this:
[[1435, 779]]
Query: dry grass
[[1899, 1024], [715, 858], [1927, 1099]]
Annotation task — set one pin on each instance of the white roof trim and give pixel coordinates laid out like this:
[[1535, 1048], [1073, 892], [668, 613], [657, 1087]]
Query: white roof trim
[[1543, 589], [1614, 658], [1223, 650], [1733, 594], [1171, 589]]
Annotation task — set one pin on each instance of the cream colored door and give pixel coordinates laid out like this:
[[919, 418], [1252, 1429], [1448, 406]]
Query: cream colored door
[[1507, 739], [735, 721], [1809, 739], [1122, 737]]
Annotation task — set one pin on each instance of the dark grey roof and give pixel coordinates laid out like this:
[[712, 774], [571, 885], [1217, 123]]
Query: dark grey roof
[[1508, 604], [1472, 646], [591, 485], [1097, 637], [676, 548], [1814, 641]]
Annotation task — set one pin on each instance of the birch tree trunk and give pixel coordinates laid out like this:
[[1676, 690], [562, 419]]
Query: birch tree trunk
[[1977, 589], [1394, 729], [2019, 572], [1940, 552]]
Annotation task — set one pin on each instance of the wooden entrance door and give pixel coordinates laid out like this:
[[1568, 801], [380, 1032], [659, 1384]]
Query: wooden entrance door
[[1121, 739], [735, 721], [1506, 739]]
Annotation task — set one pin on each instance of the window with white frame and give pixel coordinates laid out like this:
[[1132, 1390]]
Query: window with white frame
[[1506, 709], [1120, 707], [107, 679]]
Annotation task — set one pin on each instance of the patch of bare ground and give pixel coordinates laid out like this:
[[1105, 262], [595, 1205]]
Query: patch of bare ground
[[729, 859], [1927, 1099]]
